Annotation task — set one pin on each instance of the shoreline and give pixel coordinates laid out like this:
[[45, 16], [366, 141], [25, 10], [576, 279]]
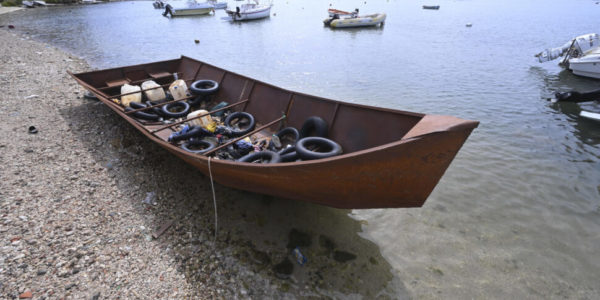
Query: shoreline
[[6, 10]]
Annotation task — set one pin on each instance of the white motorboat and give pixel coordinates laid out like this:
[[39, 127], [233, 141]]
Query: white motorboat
[[191, 8], [581, 55], [355, 20], [250, 11]]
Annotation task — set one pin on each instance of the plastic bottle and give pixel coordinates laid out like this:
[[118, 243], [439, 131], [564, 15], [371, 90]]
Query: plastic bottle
[[202, 121], [178, 89], [136, 97], [156, 94]]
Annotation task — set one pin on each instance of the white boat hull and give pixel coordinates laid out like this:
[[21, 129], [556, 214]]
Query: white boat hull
[[191, 11], [362, 21], [590, 115], [588, 65], [250, 14]]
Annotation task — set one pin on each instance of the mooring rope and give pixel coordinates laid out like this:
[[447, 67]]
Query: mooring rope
[[212, 185]]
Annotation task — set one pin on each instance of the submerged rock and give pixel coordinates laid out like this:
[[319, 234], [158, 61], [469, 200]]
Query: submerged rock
[[343, 256], [298, 239], [284, 269]]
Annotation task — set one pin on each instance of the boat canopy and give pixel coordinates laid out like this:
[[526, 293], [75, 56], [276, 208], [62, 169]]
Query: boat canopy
[[576, 48]]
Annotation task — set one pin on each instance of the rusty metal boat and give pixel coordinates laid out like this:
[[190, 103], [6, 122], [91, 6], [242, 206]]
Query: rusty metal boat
[[390, 159]]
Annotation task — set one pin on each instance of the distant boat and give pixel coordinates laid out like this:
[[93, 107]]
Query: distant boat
[[250, 11], [39, 3], [191, 8], [27, 4], [355, 21], [581, 55], [431, 7]]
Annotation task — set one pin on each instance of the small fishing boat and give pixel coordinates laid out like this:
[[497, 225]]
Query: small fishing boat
[[39, 3], [361, 156], [28, 4], [191, 8], [250, 11], [581, 55], [431, 7], [355, 21]]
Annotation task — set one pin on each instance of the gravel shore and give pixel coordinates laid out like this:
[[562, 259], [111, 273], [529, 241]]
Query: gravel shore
[[73, 225]]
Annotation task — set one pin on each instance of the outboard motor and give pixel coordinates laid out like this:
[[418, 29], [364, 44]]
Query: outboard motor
[[237, 11], [168, 10]]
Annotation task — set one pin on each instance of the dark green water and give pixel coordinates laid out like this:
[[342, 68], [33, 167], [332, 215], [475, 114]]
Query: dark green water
[[517, 213]]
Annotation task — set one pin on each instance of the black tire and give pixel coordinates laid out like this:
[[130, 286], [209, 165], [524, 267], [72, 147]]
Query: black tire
[[271, 156], [157, 110], [166, 109], [195, 131], [314, 126], [240, 115], [288, 154], [327, 147], [137, 105], [288, 131], [196, 101], [204, 87], [143, 115], [187, 146]]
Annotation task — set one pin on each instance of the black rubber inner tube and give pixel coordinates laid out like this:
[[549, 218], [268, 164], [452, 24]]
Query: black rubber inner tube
[[314, 126], [143, 115], [198, 146], [315, 147], [287, 136], [288, 154], [266, 156], [196, 101], [184, 109], [195, 131], [204, 87], [244, 121]]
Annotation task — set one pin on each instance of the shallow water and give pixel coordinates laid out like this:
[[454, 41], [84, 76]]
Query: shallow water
[[516, 214]]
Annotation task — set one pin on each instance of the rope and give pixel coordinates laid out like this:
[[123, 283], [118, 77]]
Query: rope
[[212, 185]]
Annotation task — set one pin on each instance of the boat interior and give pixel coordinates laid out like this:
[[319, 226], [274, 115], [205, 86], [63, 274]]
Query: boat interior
[[355, 127]]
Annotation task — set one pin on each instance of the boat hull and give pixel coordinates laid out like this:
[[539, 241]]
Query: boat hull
[[364, 21], [253, 14], [395, 167], [585, 68], [178, 12]]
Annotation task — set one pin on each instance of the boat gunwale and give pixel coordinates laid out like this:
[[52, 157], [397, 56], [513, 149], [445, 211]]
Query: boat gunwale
[[459, 124]]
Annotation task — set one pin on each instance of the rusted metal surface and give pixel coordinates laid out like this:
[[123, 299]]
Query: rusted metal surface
[[391, 158]]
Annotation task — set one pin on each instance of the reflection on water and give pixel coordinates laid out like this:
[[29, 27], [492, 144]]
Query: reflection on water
[[517, 212]]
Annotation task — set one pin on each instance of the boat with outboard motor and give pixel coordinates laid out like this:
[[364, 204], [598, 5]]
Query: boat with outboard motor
[[581, 55], [250, 11], [338, 154], [191, 8], [354, 20]]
